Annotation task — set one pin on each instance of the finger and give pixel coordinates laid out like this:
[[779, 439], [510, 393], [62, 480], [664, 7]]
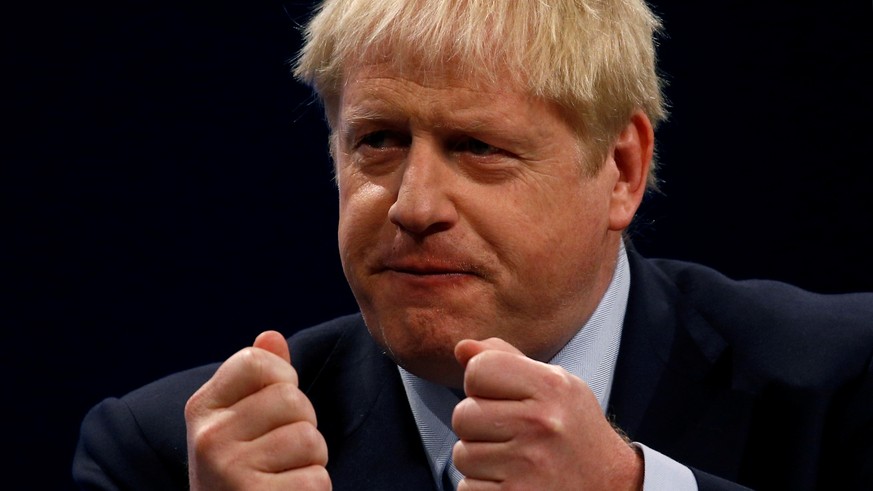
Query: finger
[[468, 348], [497, 374], [478, 485], [497, 356], [484, 461], [488, 420], [246, 372], [275, 343], [310, 478], [288, 447], [271, 407]]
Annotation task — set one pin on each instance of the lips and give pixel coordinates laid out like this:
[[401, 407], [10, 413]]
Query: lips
[[428, 258], [428, 267]]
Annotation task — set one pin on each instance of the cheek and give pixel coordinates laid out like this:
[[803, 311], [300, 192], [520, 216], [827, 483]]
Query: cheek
[[362, 212], [561, 234]]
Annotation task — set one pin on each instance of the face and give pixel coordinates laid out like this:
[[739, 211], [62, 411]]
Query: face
[[465, 213]]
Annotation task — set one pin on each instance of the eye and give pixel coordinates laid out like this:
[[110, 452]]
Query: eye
[[383, 139], [476, 147]]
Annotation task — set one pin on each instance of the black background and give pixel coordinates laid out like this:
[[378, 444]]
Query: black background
[[167, 193]]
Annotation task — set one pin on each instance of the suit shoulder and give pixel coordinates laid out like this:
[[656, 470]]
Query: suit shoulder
[[777, 329], [768, 300], [137, 441]]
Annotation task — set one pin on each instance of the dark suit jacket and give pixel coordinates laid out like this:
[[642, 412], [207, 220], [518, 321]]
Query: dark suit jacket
[[756, 382]]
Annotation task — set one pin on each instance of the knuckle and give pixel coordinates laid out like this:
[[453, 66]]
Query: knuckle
[[198, 405], [252, 358], [290, 395], [460, 453], [206, 437], [321, 479], [263, 366], [315, 478], [473, 367], [546, 420], [557, 379], [309, 439], [294, 399], [469, 415], [461, 414], [531, 459], [477, 366], [192, 406]]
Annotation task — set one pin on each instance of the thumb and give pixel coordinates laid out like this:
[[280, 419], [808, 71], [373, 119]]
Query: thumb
[[274, 342], [466, 349]]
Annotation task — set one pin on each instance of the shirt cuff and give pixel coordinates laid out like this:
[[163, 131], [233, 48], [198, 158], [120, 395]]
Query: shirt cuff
[[663, 473]]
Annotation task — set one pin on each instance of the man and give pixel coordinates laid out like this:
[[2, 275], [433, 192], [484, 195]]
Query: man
[[489, 158]]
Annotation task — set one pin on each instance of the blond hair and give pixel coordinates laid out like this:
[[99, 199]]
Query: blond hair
[[594, 58]]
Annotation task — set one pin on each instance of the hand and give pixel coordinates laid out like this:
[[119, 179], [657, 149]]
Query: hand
[[250, 427], [530, 425]]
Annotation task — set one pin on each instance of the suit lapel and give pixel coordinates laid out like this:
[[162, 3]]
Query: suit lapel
[[672, 388], [373, 442]]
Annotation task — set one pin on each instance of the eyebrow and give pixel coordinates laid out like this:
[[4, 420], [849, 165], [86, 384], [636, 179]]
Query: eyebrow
[[356, 117], [359, 114], [374, 111]]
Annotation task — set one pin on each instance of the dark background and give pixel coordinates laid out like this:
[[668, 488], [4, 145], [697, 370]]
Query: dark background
[[167, 193]]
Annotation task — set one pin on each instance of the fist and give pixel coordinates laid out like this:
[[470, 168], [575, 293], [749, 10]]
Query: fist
[[250, 427], [530, 425]]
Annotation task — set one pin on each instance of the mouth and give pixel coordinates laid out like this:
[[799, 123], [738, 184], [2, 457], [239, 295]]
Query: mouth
[[427, 271], [427, 282], [429, 268]]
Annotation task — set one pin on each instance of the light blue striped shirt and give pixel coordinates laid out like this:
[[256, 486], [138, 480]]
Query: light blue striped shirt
[[590, 355]]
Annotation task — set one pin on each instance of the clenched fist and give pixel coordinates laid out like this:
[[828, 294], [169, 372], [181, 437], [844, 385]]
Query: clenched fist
[[250, 427], [530, 425]]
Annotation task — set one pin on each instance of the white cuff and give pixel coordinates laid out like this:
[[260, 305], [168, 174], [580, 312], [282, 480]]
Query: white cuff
[[663, 473]]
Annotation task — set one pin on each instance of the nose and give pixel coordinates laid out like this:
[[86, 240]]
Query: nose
[[424, 202]]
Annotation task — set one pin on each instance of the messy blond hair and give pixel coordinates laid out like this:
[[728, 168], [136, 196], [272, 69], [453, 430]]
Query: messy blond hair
[[594, 58]]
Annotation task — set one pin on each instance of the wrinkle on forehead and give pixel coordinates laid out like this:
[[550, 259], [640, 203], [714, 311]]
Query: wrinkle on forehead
[[411, 71], [445, 101]]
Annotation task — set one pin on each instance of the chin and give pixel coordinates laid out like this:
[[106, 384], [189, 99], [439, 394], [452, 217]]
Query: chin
[[423, 346], [439, 369]]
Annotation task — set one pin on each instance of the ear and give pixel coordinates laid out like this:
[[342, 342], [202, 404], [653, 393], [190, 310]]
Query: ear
[[632, 154]]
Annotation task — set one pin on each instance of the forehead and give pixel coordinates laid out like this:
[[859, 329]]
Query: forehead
[[373, 77], [447, 93], [366, 72]]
